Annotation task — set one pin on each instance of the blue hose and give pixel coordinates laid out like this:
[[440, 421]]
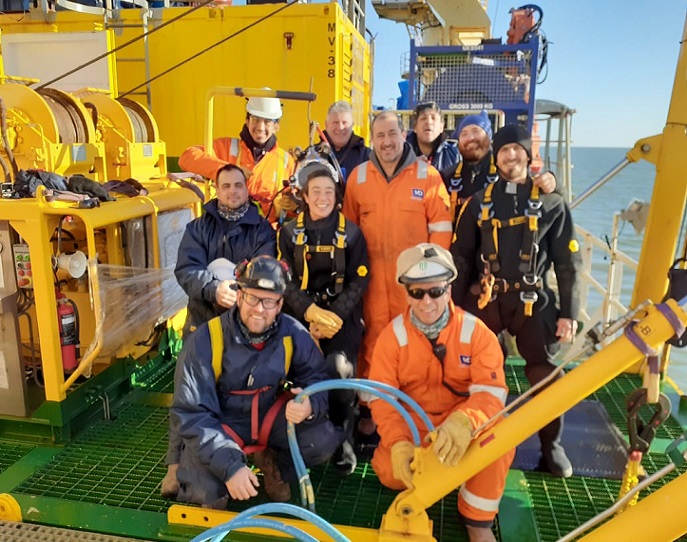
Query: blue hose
[[272, 524], [376, 389], [242, 520], [404, 397]]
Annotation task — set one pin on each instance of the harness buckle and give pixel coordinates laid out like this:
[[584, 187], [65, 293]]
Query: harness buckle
[[533, 206], [530, 279], [487, 207], [339, 241], [296, 233], [528, 299]]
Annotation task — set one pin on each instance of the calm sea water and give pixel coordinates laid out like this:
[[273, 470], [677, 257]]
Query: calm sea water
[[595, 214]]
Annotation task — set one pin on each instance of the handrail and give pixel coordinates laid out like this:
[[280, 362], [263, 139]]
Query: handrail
[[610, 306], [598, 184]]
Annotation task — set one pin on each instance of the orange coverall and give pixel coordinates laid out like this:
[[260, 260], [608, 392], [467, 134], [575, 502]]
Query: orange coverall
[[473, 366], [412, 208], [268, 174]]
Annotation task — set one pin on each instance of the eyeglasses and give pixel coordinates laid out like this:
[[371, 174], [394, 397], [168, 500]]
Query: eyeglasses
[[267, 302], [434, 292], [256, 121]]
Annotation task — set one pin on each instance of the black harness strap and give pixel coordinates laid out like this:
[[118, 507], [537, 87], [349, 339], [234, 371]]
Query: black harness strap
[[337, 250]]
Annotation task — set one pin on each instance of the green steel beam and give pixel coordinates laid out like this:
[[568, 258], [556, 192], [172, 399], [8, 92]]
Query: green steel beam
[[92, 517], [516, 520]]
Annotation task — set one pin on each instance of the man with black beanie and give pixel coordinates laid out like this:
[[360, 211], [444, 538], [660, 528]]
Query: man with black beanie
[[509, 236]]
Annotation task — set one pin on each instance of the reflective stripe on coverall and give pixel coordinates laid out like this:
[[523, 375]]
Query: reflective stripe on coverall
[[411, 208], [472, 369], [268, 174]]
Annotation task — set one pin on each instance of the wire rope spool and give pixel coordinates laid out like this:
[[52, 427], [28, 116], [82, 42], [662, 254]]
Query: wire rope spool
[[73, 120], [143, 121], [130, 136], [30, 124]]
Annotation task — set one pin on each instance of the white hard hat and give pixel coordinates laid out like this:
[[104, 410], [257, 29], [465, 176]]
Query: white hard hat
[[265, 108], [222, 269], [425, 262]]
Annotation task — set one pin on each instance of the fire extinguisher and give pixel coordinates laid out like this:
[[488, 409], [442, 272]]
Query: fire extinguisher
[[68, 322]]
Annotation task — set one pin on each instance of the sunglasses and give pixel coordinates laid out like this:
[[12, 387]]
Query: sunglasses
[[434, 292], [267, 302]]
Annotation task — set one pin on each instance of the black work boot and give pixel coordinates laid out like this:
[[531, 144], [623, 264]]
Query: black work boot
[[275, 487], [344, 459], [554, 458]]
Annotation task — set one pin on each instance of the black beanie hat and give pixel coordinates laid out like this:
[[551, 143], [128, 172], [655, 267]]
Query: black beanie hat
[[513, 133]]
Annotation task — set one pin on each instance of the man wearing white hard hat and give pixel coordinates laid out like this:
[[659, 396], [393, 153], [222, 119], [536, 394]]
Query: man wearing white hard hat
[[255, 150], [452, 365]]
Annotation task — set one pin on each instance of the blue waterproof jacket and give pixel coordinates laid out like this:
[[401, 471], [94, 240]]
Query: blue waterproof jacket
[[210, 237], [445, 157], [352, 155], [203, 405]]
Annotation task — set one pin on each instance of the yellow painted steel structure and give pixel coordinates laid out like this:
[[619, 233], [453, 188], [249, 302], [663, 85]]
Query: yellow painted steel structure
[[647, 520], [433, 480], [38, 130], [667, 152], [130, 136], [35, 220], [179, 514], [305, 48]]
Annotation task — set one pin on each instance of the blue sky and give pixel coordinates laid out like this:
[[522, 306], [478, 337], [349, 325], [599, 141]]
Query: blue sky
[[612, 61]]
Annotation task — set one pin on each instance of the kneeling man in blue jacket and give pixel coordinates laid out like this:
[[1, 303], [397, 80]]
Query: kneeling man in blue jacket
[[232, 400]]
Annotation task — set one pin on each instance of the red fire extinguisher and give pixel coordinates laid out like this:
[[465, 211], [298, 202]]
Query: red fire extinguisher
[[68, 321]]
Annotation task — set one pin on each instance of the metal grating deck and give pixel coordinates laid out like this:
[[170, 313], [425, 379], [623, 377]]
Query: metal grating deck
[[120, 464], [26, 532], [117, 463], [612, 395], [11, 452]]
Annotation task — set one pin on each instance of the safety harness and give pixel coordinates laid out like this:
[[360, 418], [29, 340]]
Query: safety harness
[[336, 251], [456, 185], [259, 434], [489, 227]]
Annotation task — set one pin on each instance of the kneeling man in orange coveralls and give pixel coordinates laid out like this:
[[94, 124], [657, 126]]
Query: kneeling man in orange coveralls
[[452, 365]]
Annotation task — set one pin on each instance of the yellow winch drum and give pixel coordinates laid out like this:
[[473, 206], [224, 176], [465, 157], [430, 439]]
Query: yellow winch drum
[[53, 131]]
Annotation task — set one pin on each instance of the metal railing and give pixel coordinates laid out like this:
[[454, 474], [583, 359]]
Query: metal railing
[[601, 296]]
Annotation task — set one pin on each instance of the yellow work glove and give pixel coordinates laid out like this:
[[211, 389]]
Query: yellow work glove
[[284, 202], [402, 455], [327, 321], [452, 438]]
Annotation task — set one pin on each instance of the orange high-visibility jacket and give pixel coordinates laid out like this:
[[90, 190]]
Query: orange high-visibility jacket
[[267, 175], [473, 369], [413, 207]]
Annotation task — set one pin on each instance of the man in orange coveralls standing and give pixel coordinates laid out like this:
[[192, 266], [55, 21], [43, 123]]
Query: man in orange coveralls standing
[[452, 365], [254, 150], [397, 200]]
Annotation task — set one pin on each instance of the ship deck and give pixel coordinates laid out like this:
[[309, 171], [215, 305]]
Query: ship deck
[[107, 480]]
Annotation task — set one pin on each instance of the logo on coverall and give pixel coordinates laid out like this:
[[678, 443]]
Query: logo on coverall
[[417, 193], [465, 360]]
